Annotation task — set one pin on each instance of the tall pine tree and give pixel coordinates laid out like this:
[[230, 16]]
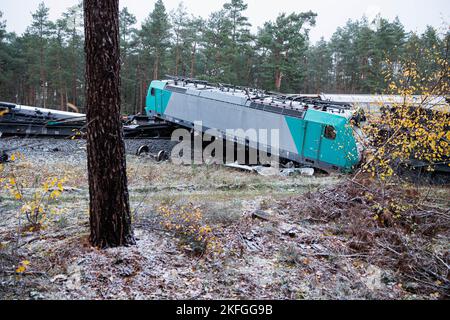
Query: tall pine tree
[[155, 35], [285, 43], [38, 39]]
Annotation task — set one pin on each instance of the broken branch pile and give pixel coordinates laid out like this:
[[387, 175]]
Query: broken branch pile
[[390, 226]]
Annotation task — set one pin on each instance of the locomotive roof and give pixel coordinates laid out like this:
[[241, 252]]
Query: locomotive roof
[[249, 96]]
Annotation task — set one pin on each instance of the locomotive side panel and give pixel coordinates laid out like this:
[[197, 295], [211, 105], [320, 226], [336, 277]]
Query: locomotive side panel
[[226, 116]]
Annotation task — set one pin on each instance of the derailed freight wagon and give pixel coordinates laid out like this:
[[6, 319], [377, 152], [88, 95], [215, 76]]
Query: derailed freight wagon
[[311, 132]]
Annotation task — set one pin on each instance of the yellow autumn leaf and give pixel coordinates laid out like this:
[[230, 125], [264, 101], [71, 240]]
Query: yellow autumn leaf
[[55, 194], [23, 266], [20, 269]]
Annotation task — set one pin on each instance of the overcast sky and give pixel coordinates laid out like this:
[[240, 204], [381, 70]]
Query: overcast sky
[[414, 14]]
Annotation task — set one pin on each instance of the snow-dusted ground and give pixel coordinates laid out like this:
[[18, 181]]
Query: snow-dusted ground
[[279, 258]]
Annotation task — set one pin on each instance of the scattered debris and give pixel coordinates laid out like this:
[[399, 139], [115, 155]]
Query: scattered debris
[[271, 171], [240, 167], [302, 171], [59, 278], [288, 229], [261, 215]]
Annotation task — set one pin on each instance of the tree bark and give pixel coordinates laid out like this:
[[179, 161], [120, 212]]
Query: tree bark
[[110, 218], [42, 77], [74, 63], [177, 55], [60, 80], [74, 82], [156, 67], [194, 52], [177, 63], [278, 78], [278, 73], [141, 99]]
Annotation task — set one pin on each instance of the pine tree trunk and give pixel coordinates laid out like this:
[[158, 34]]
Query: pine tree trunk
[[194, 52], [61, 100], [278, 78], [137, 86], [41, 80], [61, 90], [66, 98], [74, 66], [177, 56], [156, 67], [177, 63], [110, 218], [249, 71], [141, 97], [74, 82]]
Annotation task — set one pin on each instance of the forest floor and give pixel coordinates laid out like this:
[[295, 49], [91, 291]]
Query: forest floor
[[280, 237]]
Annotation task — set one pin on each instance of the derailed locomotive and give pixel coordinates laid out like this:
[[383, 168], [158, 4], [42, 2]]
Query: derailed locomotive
[[312, 132]]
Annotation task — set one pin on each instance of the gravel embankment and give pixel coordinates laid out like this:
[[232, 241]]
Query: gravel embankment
[[72, 150]]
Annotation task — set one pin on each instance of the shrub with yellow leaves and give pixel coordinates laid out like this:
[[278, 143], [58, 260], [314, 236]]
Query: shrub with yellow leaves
[[37, 199], [415, 132], [186, 222]]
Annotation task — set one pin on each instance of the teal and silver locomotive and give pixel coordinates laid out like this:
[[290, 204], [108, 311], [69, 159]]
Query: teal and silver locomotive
[[312, 132]]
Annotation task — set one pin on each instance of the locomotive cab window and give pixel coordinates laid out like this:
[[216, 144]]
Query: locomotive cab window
[[152, 92], [330, 132]]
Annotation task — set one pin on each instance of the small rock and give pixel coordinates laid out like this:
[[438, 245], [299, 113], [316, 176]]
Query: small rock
[[292, 233], [307, 172], [288, 229], [411, 286], [259, 214], [268, 172], [387, 278], [36, 295], [74, 280], [170, 276], [126, 272], [59, 278], [372, 278]]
